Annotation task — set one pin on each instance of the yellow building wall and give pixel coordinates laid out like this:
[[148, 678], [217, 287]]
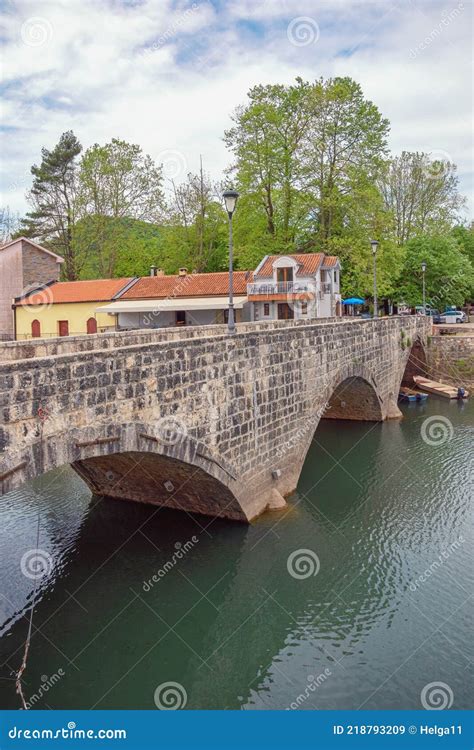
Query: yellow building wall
[[76, 313]]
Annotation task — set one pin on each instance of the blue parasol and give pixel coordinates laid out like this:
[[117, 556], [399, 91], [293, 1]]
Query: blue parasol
[[353, 301]]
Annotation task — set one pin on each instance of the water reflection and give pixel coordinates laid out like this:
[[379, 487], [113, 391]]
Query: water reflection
[[226, 619]]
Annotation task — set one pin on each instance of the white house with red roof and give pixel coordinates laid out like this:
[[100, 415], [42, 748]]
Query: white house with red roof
[[300, 286]]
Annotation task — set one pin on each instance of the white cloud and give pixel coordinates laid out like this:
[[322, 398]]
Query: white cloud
[[168, 74]]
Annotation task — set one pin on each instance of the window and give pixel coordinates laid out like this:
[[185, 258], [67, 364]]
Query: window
[[181, 318], [63, 326], [284, 275], [35, 329], [266, 308], [92, 325], [304, 308], [335, 276]]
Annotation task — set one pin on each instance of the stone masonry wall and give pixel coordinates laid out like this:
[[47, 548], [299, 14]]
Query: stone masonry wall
[[451, 359], [241, 409], [38, 267]]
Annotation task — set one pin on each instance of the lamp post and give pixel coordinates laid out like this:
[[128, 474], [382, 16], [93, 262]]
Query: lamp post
[[423, 270], [230, 200], [374, 244]]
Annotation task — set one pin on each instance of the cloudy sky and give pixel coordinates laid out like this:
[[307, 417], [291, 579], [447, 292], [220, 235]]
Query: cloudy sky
[[167, 74]]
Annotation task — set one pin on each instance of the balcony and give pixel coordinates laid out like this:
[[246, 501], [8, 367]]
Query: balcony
[[271, 289]]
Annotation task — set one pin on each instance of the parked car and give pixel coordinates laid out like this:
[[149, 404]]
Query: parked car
[[453, 316]]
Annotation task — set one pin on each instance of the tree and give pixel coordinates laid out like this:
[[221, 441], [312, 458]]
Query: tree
[[344, 147], [196, 231], [265, 141], [421, 193], [449, 274], [9, 224], [53, 197], [117, 181]]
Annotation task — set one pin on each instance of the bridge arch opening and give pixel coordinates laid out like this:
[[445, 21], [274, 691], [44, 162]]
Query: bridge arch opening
[[161, 480], [354, 398], [416, 364]]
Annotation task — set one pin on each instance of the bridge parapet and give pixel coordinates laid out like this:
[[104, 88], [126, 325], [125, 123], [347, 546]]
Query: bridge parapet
[[197, 419]]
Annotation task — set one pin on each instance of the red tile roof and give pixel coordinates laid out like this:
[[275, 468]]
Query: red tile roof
[[96, 290], [191, 285], [308, 264], [330, 261]]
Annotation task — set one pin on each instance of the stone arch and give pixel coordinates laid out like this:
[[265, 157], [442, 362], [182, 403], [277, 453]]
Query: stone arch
[[135, 462], [416, 363], [354, 398], [353, 395]]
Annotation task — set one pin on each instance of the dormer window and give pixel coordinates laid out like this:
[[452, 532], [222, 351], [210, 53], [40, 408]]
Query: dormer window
[[285, 274]]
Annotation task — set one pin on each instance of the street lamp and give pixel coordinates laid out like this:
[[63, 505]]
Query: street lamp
[[374, 244], [230, 200], [423, 270]]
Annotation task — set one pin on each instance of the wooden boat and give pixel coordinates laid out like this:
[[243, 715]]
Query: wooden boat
[[440, 389], [408, 394]]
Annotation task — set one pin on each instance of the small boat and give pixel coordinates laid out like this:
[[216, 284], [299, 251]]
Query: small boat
[[408, 394], [440, 389]]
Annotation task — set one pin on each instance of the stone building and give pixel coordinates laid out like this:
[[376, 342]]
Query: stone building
[[24, 266]]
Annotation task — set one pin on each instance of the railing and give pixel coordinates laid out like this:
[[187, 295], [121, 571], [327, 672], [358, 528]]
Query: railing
[[326, 288], [281, 287]]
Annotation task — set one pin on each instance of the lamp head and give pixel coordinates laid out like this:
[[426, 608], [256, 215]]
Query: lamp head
[[230, 200], [374, 244], [423, 266]]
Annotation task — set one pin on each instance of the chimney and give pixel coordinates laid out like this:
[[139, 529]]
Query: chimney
[[182, 272], [159, 272], [152, 270]]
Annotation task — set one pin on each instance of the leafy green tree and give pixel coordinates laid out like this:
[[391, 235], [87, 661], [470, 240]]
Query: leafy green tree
[[344, 148], [54, 201], [421, 193], [449, 274], [117, 181], [265, 140]]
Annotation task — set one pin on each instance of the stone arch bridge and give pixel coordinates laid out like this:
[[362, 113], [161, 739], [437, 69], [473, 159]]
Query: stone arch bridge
[[194, 418]]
